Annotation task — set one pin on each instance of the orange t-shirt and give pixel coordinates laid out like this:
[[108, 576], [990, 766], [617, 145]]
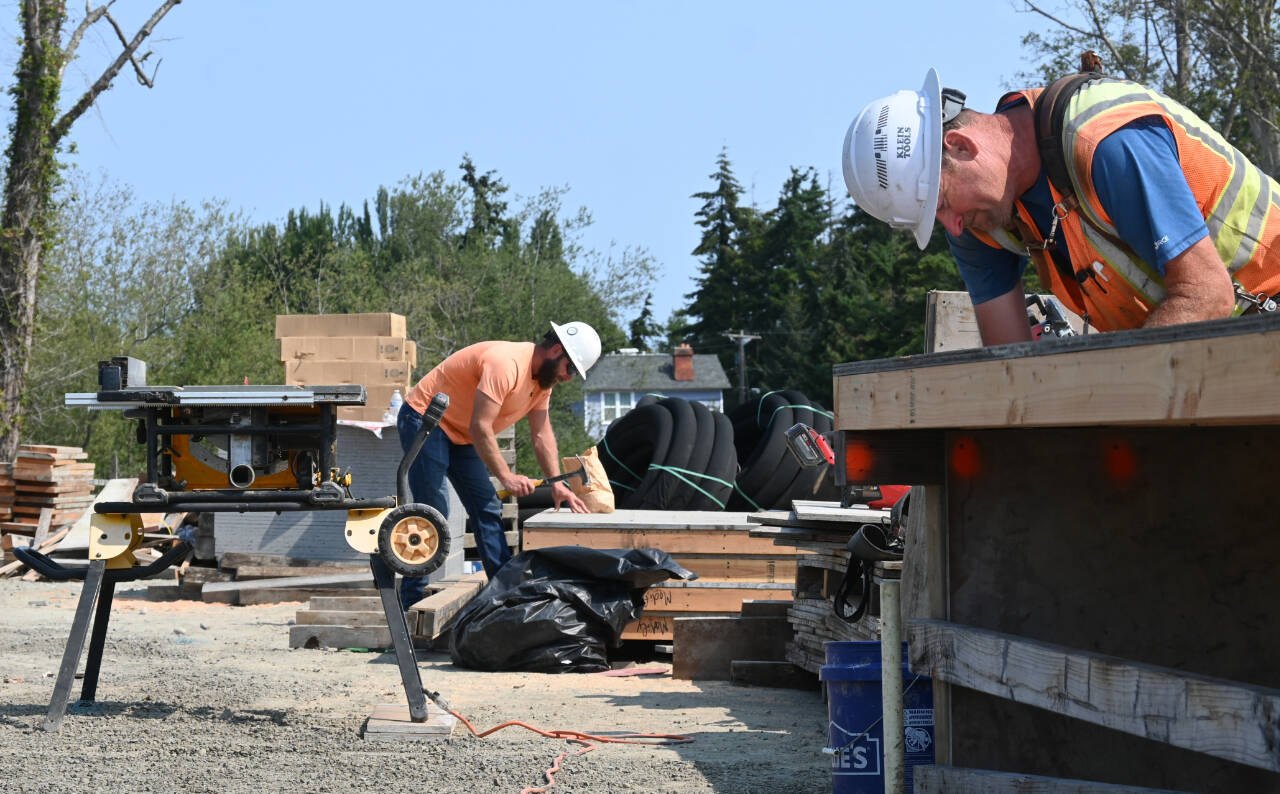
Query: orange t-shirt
[[502, 371]]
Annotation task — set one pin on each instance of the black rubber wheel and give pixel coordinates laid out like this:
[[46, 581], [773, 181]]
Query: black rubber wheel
[[413, 540]]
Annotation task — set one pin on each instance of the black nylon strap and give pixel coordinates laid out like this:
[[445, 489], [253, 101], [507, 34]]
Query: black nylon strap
[[1050, 111]]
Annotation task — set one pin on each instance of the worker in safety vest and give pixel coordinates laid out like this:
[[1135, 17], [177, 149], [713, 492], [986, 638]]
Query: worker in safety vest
[[491, 386], [1169, 223]]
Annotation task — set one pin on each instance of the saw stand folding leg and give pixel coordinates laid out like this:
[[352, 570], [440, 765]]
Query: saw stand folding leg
[[97, 588], [385, 579]]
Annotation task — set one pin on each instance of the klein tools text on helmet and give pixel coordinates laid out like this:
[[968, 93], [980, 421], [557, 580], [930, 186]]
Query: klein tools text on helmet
[[892, 155], [581, 343]]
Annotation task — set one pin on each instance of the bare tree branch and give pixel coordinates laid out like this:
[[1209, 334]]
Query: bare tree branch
[[1100, 33], [91, 15], [137, 62], [1033, 7], [104, 80]]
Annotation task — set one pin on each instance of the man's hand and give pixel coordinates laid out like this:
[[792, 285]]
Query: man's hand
[[517, 484], [563, 493]]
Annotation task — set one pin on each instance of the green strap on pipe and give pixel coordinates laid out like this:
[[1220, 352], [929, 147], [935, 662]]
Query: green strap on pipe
[[679, 475], [605, 442]]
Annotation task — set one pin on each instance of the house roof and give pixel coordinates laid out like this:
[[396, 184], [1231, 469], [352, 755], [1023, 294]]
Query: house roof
[[652, 372]]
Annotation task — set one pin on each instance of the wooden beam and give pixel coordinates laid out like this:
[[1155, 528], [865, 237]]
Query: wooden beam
[[436, 610], [672, 541], [1203, 373], [657, 626], [924, 589], [710, 596], [290, 581], [1225, 719], [953, 780]]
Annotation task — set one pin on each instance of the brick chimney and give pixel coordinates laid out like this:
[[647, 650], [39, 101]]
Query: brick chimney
[[682, 363]]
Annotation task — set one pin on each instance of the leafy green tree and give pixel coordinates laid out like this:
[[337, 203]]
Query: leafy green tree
[[119, 282], [28, 218], [461, 264], [1220, 58]]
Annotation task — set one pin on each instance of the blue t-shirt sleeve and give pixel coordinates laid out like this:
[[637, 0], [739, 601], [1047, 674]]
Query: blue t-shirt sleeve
[[1139, 181], [987, 272]]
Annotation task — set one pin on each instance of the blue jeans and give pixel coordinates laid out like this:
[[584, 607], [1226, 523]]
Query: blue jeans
[[460, 462]]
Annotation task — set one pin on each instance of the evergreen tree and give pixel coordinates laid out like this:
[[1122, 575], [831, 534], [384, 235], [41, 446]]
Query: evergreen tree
[[643, 327]]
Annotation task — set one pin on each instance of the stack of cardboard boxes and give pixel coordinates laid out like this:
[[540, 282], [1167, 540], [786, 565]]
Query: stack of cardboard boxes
[[369, 349]]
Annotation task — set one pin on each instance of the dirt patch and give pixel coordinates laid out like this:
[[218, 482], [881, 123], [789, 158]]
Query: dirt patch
[[209, 698]]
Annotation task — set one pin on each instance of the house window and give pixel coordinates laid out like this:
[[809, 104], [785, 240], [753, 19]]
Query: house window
[[615, 404]]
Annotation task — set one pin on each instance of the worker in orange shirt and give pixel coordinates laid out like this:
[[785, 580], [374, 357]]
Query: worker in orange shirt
[[491, 386]]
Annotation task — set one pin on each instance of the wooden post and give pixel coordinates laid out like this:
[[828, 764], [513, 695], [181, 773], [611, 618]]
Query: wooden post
[[891, 686]]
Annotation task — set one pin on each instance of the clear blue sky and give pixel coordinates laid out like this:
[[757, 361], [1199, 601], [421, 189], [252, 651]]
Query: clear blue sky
[[276, 105]]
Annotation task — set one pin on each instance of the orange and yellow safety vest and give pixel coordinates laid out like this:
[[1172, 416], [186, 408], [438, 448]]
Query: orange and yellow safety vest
[[1117, 287]]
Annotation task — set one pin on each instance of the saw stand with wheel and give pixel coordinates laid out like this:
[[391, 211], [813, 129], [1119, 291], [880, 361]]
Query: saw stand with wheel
[[240, 449]]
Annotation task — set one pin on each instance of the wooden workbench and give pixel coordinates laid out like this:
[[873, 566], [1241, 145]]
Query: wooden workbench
[[1093, 566]]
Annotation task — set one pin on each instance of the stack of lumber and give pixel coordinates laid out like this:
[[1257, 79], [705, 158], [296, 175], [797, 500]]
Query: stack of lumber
[[6, 491], [331, 349], [245, 579], [358, 621], [48, 477], [822, 529], [731, 565]]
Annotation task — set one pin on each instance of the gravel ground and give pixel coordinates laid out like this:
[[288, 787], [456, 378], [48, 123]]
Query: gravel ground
[[199, 697]]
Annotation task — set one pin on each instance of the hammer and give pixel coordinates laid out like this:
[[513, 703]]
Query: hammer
[[580, 473]]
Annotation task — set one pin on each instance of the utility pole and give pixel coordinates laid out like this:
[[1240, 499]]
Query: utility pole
[[742, 337]]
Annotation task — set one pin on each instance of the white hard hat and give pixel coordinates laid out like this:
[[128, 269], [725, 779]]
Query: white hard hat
[[893, 158], [582, 344]]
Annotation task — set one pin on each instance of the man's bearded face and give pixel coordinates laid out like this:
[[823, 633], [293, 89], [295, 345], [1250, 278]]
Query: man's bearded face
[[549, 373]]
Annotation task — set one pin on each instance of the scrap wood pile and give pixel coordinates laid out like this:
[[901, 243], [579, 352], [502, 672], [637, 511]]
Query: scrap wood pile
[[732, 566], [673, 454], [44, 477], [69, 544], [241, 578], [358, 620], [43, 492], [823, 530]]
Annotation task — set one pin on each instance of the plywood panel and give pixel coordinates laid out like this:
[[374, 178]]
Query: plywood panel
[[1153, 376], [1144, 544]]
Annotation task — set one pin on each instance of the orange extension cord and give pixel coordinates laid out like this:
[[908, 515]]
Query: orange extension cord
[[585, 739]]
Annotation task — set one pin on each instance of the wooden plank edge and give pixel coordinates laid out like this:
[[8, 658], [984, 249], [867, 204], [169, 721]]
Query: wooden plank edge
[[1225, 719]]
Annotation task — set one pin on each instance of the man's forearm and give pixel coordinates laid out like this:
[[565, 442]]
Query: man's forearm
[[546, 451], [486, 446], [1197, 287], [1178, 309]]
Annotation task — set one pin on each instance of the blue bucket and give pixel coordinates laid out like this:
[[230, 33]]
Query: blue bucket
[[852, 673]]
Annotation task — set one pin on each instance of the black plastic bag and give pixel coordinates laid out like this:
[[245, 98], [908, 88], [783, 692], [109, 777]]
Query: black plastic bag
[[556, 610]]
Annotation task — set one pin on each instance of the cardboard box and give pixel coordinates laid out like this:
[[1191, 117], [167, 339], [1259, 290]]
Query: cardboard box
[[347, 348], [411, 353], [377, 404], [330, 373], [381, 324]]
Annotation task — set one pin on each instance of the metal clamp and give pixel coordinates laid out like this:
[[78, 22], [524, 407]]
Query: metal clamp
[[1249, 302]]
